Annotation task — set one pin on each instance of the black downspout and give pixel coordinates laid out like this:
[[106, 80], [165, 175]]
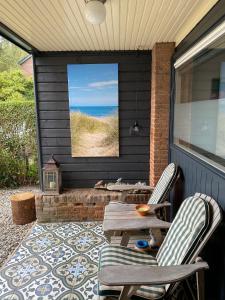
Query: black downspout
[[38, 135]]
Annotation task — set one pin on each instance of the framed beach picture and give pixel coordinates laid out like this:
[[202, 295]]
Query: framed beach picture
[[93, 104]]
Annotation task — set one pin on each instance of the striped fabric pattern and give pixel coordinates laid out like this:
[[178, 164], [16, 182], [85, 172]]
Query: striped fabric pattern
[[164, 184], [118, 255], [185, 232]]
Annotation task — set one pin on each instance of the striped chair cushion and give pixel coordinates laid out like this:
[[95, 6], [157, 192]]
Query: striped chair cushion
[[164, 184], [118, 255], [185, 233]]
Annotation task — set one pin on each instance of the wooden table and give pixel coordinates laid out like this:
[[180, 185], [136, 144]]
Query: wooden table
[[124, 218]]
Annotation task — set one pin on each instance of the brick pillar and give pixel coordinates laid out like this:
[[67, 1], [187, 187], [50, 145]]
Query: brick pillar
[[160, 106]]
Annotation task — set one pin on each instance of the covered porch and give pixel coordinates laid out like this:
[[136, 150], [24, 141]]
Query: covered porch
[[170, 62]]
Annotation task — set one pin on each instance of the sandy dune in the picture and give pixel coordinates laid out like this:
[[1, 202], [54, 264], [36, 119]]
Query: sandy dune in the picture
[[93, 136]]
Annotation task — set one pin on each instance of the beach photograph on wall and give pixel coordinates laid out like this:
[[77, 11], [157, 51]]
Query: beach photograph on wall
[[94, 114]]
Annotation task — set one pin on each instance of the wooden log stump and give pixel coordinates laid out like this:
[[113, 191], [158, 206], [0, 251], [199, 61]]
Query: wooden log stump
[[23, 208]]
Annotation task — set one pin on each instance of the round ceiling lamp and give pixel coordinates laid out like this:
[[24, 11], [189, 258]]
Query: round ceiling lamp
[[95, 11]]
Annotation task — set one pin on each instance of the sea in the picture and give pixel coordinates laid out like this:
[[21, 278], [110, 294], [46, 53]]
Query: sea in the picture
[[95, 111]]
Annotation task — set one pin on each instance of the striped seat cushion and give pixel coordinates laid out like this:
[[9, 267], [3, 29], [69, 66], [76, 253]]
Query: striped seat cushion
[[164, 184], [118, 255], [185, 233]]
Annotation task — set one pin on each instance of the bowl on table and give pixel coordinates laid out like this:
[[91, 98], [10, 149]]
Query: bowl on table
[[143, 209], [142, 245]]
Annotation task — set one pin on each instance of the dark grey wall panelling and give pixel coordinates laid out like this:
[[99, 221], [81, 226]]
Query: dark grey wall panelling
[[199, 176], [52, 94]]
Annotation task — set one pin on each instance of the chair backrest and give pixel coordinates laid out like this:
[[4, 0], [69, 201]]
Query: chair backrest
[[185, 232], [164, 184], [195, 222], [216, 218]]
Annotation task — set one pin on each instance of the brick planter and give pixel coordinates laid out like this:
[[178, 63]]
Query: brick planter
[[79, 204]]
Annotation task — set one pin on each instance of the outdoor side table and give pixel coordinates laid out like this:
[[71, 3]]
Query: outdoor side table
[[124, 218], [23, 208]]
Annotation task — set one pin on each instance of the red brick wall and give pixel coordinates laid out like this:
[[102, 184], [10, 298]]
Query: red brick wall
[[79, 204], [160, 104], [27, 67]]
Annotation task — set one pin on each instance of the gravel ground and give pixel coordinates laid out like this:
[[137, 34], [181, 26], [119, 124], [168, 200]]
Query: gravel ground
[[10, 235]]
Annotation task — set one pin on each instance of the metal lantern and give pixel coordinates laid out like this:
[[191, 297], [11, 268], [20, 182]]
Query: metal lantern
[[52, 177]]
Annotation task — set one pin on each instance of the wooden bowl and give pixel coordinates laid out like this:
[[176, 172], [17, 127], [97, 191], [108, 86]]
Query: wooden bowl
[[143, 209]]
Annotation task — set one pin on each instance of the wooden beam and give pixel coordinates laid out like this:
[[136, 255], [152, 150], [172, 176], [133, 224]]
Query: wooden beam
[[10, 35]]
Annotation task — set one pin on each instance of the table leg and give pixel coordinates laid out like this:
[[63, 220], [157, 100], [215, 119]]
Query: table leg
[[125, 239], [108, 235]]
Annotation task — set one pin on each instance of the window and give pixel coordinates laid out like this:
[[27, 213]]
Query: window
[[199, 112]]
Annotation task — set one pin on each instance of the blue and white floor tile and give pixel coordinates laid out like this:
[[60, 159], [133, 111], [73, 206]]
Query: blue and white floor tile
[[56, 261]]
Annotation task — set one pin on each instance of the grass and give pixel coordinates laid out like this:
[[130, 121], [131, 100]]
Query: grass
[[81, 122], [101, 134], [112, 130]]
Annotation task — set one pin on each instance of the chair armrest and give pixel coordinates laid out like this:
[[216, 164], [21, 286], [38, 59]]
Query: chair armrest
[[160, 205], [135, 224], [147, 275]]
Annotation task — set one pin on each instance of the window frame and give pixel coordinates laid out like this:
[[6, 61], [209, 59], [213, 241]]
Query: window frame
[[199, 46]]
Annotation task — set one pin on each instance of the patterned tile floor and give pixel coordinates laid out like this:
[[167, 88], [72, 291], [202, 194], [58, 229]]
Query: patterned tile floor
[[55, 261]]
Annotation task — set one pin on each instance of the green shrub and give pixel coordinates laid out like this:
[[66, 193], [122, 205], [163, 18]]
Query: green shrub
[[18, 153], [14, 86]]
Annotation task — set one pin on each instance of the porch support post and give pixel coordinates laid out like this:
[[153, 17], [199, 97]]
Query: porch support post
[[160, 106]]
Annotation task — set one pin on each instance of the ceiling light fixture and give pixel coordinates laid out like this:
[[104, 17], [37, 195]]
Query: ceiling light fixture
[[95, 11]]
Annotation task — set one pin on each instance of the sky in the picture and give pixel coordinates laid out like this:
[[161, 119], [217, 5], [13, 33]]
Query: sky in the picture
[[93, 84]]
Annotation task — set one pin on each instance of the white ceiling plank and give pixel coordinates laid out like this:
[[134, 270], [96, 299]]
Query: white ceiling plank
[[68, 37], [74, 6], [71, 24], [90, 28], [38, 18], [105, 36], [56, 19], [60, 25], [161, 24], [21, 25], [55, 22], [98, 36], [123, 22], [115, 9], [76, 22], [20, 32], [109, 25], [141, 5], [20, 21], [183, 15], [151, 22], [132, 9], [174, 19]]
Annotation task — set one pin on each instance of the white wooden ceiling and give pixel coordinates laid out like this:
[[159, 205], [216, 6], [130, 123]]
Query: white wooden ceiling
[[60, 25]]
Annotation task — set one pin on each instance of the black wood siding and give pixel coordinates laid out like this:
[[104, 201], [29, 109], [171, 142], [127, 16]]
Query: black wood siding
[[53, 114], [198, 176], [201, 177]]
